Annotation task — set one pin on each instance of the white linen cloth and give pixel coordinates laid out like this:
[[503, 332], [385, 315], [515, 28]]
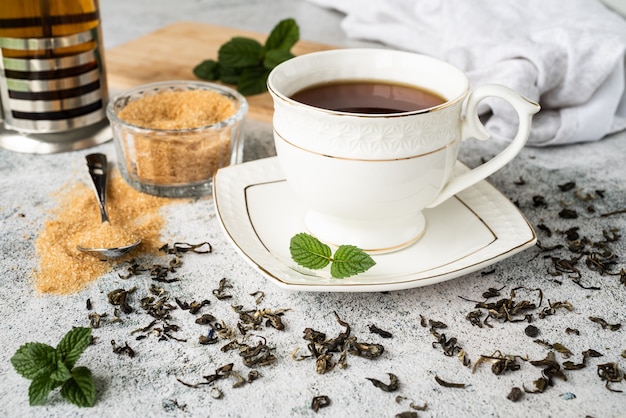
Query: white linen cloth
[[566, 55]]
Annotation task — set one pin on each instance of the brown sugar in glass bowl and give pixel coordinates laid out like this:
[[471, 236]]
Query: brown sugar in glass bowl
[[171, 137]]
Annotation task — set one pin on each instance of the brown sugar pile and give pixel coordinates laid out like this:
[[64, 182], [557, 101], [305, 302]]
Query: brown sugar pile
[[106, 235], [63, 269], [170, 157], [184, 109]]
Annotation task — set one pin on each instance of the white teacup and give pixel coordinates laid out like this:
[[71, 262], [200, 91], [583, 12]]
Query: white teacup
[[365, 178]]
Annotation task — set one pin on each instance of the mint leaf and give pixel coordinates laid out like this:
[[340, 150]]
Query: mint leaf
[[33, 359], [309, 252], [72, 346], [207, 70], [240, 52], [242, 59], [230, 75], [80, 389], [349, 261], [275, 57], [39, 389], [50, 367], [61, 373], [284, 35], [252, 81]]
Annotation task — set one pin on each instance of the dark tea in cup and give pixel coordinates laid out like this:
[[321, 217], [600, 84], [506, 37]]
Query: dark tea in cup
[[370, 97]]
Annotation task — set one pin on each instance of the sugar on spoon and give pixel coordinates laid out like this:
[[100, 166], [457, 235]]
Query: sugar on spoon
[[98, 170]]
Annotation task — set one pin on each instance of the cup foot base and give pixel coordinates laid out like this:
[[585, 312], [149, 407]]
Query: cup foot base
[[373, 237]]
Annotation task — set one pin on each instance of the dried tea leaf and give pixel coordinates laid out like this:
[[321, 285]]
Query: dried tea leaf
[[393, 385], [375, 330], [568, 214], [407, 414], [532, 331], [122, 349], [515, 394], [319, 402], [604, 324], [565, 187], [219, 292], [448, 384], [610, 373]]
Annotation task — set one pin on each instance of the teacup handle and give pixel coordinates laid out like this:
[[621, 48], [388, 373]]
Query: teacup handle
[[472, 127]]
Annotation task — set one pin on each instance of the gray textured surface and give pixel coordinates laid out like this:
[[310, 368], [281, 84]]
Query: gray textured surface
[[147, 384]]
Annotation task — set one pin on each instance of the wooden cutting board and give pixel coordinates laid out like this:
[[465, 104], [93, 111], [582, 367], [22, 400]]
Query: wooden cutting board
[[172, 52]]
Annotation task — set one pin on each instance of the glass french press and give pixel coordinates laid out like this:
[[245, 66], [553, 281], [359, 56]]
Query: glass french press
[[53, 89]]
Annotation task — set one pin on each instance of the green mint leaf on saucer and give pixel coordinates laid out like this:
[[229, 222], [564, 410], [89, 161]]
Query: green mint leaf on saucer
[[50, 367], [246, 63], [311, 253], [349, 261]]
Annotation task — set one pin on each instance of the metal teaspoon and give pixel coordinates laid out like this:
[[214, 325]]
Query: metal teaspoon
[[98, 170]]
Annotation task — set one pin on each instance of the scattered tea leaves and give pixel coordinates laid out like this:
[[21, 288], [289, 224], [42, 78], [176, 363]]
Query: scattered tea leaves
[[556, 346], [259, 295], [532, 331], [474, 317], [569, 365], [539, 201], [568, 214], [179, 248], [122, 349], [500, 363], [118, 297], [323, 348], [375, 330], [412, 404], [220, 292], [610, 373], [566, 187], [446, 384], [393, 385], [319, 402], [515, 395], [604, 324], [551, 370], [545, 229]]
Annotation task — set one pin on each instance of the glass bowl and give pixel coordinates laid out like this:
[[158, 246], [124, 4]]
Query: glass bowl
[[163, 159]]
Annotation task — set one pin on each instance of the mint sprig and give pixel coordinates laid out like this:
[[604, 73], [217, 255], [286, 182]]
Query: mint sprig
[[246, 63], [348, 260], [50, 367]]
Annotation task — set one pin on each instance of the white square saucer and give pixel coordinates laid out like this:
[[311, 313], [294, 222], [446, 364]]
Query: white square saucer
[[259, 213]]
